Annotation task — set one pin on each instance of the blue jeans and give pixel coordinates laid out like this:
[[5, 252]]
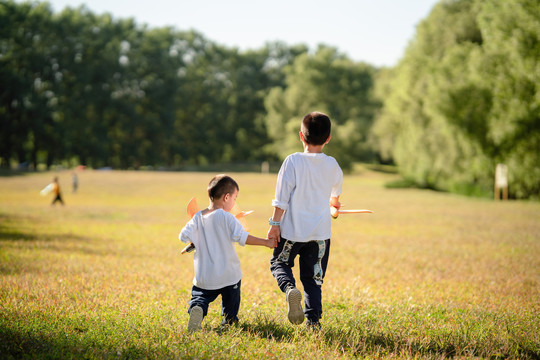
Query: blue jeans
[[313, 260], [230, 300]]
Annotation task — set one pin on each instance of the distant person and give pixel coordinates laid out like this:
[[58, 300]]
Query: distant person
[[214, 231], [307, 185], [57, 192], [75, 182]]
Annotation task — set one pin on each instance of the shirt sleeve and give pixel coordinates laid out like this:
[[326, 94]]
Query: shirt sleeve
[[285, 185], [337, 188], [238, 234], [186, 234]]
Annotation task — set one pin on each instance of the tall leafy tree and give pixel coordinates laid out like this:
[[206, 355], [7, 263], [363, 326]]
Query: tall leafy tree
[[27, 94], [464, 97], [326, 81], [511, 71], [84, 88]]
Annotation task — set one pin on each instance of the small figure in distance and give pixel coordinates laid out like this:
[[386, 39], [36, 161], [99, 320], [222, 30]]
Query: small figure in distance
[[57, 192], [75, 182]]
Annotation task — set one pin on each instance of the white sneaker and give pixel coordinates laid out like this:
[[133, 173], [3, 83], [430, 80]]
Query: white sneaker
[[195, 319], [294, 302]]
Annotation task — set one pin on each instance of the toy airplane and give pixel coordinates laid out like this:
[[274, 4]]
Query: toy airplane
[[47, 189], [335, 212], [193, 208]]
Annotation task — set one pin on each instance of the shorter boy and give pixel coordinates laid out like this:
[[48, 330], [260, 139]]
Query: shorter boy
[[214, 231]]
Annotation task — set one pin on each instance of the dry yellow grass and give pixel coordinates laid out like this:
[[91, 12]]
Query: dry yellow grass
[[428, 274]]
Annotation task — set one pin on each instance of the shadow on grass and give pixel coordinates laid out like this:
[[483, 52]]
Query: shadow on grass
[[37, 341], [14, 235], [354, 341], [266, 328], [23, 344], [9, 233], [17, 345], [362, 342]]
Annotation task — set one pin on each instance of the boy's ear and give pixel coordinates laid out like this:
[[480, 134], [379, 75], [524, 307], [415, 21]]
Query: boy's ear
[[328, 140], [302, 137]]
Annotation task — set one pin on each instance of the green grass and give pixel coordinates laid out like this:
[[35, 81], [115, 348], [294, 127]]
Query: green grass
[[428, 275]]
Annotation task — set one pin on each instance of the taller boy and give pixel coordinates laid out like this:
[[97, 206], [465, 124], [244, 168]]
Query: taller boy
[[307, 184]]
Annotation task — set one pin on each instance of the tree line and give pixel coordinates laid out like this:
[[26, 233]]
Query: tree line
[[85, 88], [465, 97]]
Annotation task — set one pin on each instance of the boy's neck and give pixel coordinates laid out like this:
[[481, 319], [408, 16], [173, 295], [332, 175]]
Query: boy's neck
[[313, 149], [214, 205], [310, 148]]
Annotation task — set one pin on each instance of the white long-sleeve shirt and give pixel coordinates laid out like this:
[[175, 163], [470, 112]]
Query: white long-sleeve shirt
[[305, 184], [215, 260]]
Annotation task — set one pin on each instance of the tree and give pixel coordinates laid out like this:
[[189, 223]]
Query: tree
[[331, 83], [464, 97], [511, 70]]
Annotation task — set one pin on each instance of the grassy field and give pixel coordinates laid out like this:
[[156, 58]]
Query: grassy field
[[428, 275]]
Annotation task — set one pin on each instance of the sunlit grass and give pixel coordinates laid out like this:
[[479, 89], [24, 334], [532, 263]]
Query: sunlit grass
[[428, 275]]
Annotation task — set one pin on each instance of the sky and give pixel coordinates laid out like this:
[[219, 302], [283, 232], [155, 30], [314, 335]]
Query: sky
[[374, 31]]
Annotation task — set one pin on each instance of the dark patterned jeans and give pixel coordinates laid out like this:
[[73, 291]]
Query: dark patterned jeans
[[313, 260]]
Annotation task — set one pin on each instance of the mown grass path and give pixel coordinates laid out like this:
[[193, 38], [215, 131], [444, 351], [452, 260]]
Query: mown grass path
[[428, 275]]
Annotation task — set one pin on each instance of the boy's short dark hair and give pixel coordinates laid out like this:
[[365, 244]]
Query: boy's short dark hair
[[316, 128], [220, 185]]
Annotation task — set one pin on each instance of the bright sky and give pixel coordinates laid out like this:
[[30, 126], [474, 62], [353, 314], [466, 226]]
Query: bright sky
[[374, 31]]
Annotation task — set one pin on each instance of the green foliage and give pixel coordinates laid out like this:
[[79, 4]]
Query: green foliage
[[81, 88], [109, 92], [465, 97], [328, 82]]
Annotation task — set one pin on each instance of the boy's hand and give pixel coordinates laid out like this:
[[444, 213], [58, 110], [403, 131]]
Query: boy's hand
[[334, 201], [274, 233], [271, 243]]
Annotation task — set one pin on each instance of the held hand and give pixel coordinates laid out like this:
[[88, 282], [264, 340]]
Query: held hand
[[274, 233], [271, 243]]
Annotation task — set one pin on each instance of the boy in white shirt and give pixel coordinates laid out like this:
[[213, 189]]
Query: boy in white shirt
[[214, 231], [308, 184]]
